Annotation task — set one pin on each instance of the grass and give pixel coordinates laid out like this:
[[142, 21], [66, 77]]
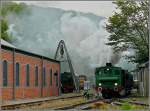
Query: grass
[[125, 106], [128, 106]]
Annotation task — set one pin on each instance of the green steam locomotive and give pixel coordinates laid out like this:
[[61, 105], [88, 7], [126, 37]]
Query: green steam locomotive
[[113, 81]]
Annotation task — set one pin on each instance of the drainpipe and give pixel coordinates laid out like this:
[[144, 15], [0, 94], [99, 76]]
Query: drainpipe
[[1, 77], [13, 92], [59, 80]]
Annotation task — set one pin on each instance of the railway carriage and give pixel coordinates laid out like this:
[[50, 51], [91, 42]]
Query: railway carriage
[[82, 79], [113, 81]]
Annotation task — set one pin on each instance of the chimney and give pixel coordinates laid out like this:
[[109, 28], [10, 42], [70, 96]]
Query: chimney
[[108, 64]]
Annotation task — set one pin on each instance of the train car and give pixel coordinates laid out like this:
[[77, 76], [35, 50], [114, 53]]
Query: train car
[[67, 84], [113, 81], [86, 85], [82, 78]]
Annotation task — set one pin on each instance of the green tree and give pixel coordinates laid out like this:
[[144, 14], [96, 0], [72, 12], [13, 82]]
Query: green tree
[[4, 28], [8, 7], [128, 28]]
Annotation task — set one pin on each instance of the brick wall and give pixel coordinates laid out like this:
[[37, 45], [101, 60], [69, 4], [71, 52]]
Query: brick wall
[[8, 91], [22, 91]]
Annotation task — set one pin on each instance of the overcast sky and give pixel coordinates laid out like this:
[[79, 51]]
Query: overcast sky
[[101, 8]]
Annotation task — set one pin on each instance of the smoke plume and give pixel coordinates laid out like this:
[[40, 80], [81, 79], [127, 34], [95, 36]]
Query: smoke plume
[[84, 34]]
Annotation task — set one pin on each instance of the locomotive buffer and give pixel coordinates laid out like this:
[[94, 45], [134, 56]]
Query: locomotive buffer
[[60, 50]]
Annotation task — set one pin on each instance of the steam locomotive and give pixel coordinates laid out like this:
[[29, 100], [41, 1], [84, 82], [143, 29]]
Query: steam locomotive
[[67, 84], [113, 81]]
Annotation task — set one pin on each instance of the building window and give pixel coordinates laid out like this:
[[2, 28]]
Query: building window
[[27, 75], [5, 73], [44, 77], [56, 78], [36, 75], [17, 74], [51, 77]]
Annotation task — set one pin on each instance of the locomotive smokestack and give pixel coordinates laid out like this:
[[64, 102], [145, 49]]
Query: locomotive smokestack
[[108, 64]]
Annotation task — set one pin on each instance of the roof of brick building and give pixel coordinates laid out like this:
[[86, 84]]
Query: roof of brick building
[[3, 42], [9, 45]]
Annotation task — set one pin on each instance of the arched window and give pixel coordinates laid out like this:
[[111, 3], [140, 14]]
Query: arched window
[[27, 75], [5, 73], [44, 77], [17, 74], [36, 75], [50, 71]]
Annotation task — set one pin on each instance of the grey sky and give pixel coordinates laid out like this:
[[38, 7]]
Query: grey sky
[[101, 8]]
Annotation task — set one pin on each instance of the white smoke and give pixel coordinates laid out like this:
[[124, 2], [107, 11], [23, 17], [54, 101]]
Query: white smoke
[[76, 28], [84, 35], [86, 38]]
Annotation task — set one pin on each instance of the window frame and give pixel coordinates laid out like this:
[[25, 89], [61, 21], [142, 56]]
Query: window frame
[[5, 74], [44, 76], [27, 75], [17, 79], [51, 77], [36, 76]]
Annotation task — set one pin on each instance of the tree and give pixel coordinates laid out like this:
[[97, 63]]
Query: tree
[[128, 28], [4, 28], [8, 7]]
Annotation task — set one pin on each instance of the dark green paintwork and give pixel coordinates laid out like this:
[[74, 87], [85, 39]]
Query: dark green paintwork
[[108, 76]]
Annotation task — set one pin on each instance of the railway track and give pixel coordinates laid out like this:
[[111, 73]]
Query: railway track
[[36, 103], [81, 106], [76, 105], [118, 102], [100, 103], [68, 103]]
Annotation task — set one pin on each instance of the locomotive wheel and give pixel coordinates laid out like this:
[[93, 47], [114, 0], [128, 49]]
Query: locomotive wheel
[[128, 92], [106, 95], [122, 93]]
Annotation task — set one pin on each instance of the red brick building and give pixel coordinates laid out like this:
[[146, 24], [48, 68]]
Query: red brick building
[[27, 75]]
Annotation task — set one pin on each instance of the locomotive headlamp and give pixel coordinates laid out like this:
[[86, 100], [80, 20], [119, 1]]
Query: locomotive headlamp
[[107, 69], [116, 84], [100, 84]]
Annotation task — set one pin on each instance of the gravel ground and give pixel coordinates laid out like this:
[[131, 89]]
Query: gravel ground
[[58, 103]]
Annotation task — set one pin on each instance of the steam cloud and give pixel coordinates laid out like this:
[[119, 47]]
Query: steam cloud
[[84, 34]]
